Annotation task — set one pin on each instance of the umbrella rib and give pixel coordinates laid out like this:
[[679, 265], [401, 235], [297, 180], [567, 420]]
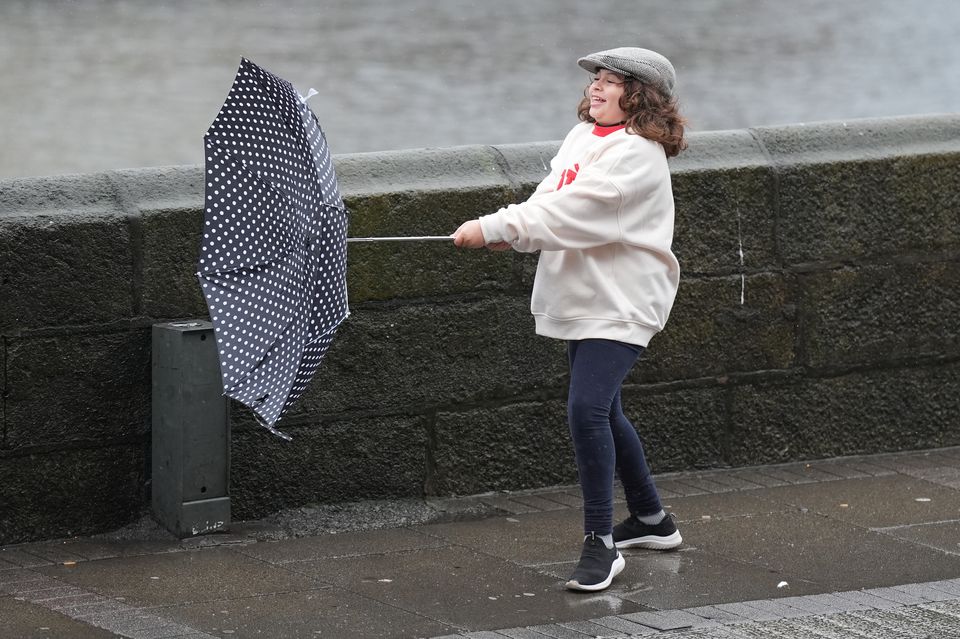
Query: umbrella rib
[[266, 183], [301, 140], [259, 177], [248, 267]]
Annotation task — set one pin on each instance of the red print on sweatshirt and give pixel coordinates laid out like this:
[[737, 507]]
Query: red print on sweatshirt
[[568, 176]]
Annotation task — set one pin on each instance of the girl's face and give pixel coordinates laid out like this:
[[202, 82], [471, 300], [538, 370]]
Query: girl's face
[[605, 92]]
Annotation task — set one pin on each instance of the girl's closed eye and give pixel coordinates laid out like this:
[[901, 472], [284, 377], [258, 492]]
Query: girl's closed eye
[[609, 81]]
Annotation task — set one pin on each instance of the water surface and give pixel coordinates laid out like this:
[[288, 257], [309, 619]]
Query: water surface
[[102, 84]]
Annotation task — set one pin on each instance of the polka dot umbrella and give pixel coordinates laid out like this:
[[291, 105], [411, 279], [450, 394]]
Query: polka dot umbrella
[[273, 254]]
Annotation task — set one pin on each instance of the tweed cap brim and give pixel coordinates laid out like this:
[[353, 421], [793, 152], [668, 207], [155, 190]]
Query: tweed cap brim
[[643, 64]]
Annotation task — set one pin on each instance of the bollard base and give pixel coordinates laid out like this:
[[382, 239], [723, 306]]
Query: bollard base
[[204, 516], [190, 431]]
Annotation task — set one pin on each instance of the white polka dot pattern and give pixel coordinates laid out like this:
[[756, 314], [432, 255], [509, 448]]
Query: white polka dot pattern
[[273, 256]]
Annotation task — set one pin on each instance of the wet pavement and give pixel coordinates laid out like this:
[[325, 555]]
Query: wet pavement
[[850, 547]]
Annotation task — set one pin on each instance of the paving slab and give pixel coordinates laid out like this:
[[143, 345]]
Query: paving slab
[[720, 632], [22, 620], [790, 475], [949, 608], [25, 587], [135, 622], [818, 627], [868, 600], [924, 591], [679, 487], [875, 502], [624, 626], [587, 628], [715, 506], [509, 505], [21, 557], [55, 593], [748, 612], [921, 622], [55, 553], [951, 586], [905, 462], [948, 476], [567, 497], [666, 620], [758, 478], [815, 472], [526, 538], [732, 480], [513, 633], [873, 466], [719, 615], [824, 604], [899, 596], [538, 502], [943, 536], [373, 542], [811, 547], [175, 578], [87, 549], [776, 607], [462, 588], [556, 631], [692, 577], [318, 613], [702, 484], [840, 469], [946, 455]]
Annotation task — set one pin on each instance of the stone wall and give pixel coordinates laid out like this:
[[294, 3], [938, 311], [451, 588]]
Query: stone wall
[[817, 316]]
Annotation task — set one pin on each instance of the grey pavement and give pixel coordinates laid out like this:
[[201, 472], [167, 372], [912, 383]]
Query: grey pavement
[[849, 547]]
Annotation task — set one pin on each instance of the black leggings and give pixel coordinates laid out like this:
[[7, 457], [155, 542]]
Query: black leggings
[[603, 438]]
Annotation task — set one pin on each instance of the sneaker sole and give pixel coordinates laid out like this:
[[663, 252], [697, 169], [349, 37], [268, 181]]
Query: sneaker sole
[[651, 542], [615, 570]]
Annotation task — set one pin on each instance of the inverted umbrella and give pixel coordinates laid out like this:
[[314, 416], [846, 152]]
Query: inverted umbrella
[[273, 254]]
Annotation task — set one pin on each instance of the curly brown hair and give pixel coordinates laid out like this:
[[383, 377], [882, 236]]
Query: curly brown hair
[[650, 114]]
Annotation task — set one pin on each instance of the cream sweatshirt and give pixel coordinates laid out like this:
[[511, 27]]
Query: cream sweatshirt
[[603, 223]]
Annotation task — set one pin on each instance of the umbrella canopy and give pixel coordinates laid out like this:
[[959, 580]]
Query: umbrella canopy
[[273, 254]]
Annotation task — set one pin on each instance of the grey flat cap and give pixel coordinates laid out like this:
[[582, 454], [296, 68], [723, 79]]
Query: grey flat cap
[[643, 64]]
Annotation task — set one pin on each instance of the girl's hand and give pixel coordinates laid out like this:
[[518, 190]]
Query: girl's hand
[[469, 235], [500, 246]]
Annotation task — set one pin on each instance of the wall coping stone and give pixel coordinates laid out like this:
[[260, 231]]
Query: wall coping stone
[[156, 189]]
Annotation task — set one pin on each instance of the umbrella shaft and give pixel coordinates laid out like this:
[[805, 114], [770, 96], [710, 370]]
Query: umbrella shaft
[[421, 238]]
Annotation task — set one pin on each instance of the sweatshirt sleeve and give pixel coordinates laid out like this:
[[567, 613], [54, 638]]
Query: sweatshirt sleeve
[[581, 215]]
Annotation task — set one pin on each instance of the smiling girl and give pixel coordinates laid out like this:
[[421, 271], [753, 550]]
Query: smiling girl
[[606, 281]]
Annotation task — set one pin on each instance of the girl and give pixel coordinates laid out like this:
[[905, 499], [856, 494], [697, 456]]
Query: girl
[[606, 280]]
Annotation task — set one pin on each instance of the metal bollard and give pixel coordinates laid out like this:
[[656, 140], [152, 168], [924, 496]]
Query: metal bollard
[[191, 431]]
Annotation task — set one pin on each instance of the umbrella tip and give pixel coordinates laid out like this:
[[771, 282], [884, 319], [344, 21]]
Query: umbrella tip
[[312, 92], [266, 424]]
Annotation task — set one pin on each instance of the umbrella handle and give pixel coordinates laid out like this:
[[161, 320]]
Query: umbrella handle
[[420, 238]]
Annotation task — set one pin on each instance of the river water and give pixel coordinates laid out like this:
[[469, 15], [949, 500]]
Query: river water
[[91, 85]]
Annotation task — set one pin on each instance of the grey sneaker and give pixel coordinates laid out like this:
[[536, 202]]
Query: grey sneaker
[[597, 567], [633, 533]]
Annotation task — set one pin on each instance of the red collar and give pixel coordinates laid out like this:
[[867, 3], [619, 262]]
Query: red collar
[[604, 131]]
